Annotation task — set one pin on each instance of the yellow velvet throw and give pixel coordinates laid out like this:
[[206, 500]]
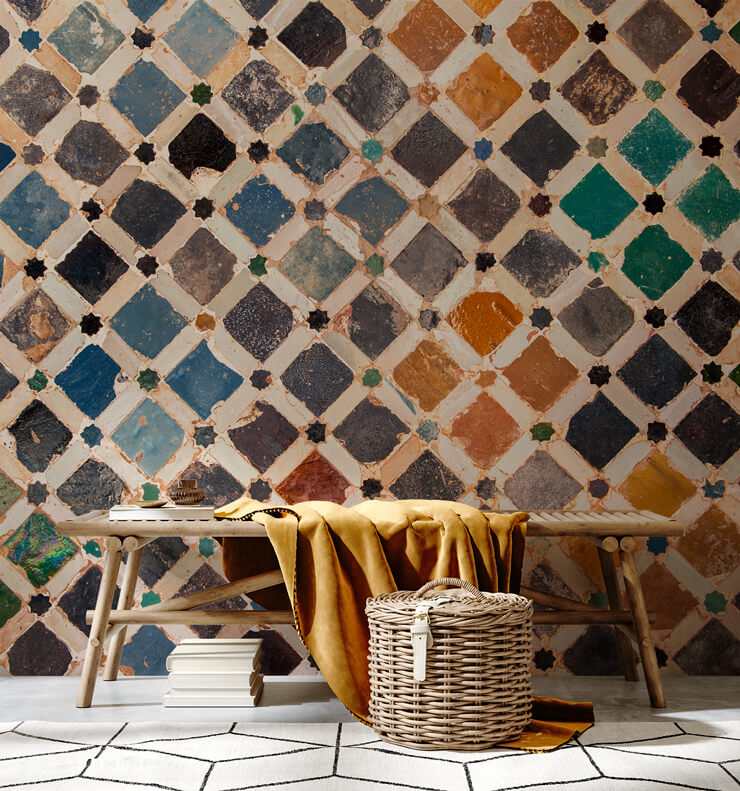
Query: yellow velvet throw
[[333, 558]]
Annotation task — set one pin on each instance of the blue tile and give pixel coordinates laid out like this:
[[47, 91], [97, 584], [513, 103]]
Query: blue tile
[[145, 8], [145, 96], [7, 155], [33, 210], [259, 209], [147, 652], [375, 206], [86, 39], [202, 381], [149, 436], [201, 38], [147, 322], [89, 379]]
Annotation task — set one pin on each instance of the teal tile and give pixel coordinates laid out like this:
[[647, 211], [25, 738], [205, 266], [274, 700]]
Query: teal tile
[[146, 96], [86, 39], [711, 203], [149, 436], [654, 262], [317, 264], [33, 210]]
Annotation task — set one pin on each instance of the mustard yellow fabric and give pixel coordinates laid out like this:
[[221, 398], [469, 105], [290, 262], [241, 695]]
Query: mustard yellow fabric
[[333, 558]]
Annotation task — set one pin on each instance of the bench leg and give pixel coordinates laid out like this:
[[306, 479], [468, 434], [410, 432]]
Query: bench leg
[[642, 627], [130, 574], [100, 622], [611, 586]]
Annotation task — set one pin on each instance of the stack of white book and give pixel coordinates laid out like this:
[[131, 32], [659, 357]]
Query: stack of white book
[[130, 513], [218, 672]]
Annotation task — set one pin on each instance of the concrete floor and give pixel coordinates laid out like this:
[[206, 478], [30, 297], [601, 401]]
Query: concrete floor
[[309, 699]]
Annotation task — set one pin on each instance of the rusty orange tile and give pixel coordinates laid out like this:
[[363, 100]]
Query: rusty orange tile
[[426, 35], [485, 430], [486, 378], [542, 35], [484, 92], [484, 320], [586, 555], [711, 544], [428, 374], [539, 375], [670, 602], [657, 486], [314, 478], [482, 7]]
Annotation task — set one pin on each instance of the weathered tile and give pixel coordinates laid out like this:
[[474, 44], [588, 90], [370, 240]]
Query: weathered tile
[[145, 95], [147, 322], [427, 478], [159, 557], [485, 91], [257, 8], [655, 33], [711, 430], [314, 478], [260, 322], [428, 262], [711, 203], [149, 436], [147, 212], [711, 544], [201, 38], [147, 651], [314, 151], [485, 205], [39, 436], [33, 210], [316, 264], [91, 267], [220, 486], [426, 35], [201, 144], [428, 374], [82, 596], [10, 604], [655, 485], [654, 262], [375, 206], [7, 381], [539, 375], [257, 95], [203, 579], [264, 436], [370, 431], [541, 484], [709, 316], [37, 548], [542, 34], [90, 153], [317, 377], [30, 10], [9, 493], [86, 38], [315, 36], [540, 261], [598, 431], [485, 319], [656, 373], [710, 88], [712, 651], [32, 97], [92, 486], [594, 653], [38, 652], [485, 430], [597, 319], [88, 380], [259, 209], [35, 325], [374, 320], [203, 266], [428, 134]]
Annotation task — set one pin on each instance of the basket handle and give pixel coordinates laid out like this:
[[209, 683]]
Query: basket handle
[[451, 581]]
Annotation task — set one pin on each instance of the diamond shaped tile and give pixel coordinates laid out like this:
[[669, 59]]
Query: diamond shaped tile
[[656, 373], [35, 325], [82, 595], [711, 203], [539, 375], [541, 262], [30, 10], [655, 33], [654, 147], [314, 478], [375, 320], [201, 144], [219, 485], [38, 651], [713, 650], [202, 381], [203, 579], [147, 322], [484, 91], [597, 319], [203, 266], [654, 262], [485, 319], [375, 206], [540, 147], [371, 431], [10, 604], [372, 94], [260, 322], [314, 151], [32, 97], [201, 38], [598, 431], [709, 317], [145, 95], [259, 209], [428, 374], [711, 430], [426, 35], [147, 212], [264, 436], [257, 95], [598, 203], [485, 430], [86, 38], [542, 34], [39, 436], [90, 153], [597, 89], [7, 382], [37, 548], [428, 262], [317, 377], [88, 380], [711, 544], [160, 557], [317, 264], [541, 483], [33, 210], [257, 8], [428, 134], [672, 601], [427, 478], [91, 486], [91, 267], [485, 205], [711, 88], [149, 436], [655, 485], [315, 36]]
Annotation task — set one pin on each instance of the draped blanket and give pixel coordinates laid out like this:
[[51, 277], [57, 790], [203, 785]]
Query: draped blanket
[[333, 558]]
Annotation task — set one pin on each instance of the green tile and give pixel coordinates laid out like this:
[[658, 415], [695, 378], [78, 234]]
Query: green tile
[[38, 550], [711, 203], [654, 262], [9, 493], [9, 604], [541, 432], [653, 90], [597, 261], [715, 602]]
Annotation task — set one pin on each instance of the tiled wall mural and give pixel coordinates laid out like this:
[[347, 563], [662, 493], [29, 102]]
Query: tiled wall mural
[[476, 249]]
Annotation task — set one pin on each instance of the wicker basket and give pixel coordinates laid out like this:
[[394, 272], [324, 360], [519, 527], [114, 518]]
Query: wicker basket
[[477, 688]]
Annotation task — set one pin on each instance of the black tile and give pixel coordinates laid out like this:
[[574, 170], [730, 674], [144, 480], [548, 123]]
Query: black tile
[[540, 147], [7, 381], [265, 435], [427, 478], [656, 373], [30, 10], [39, 436], [427, 135], [23, 329], [597, 89], [278, 657], [220, 486], [91, 267], [260, 322], [711, 431], [32, 97], [370, 432], [655, 33], [375, 321], [594, 653], [256, 95], [90, 153], [147, 212], [370, 8], [485, 205], [159, 557], [598, 431], [712, 651], [202, 266], [709, 317], [541, 262], [201, 144], [92, 486], [711, 88], [39, 603], [314, 151], [317, 377], [203, 579], [372, 94], [82, 596], [38, 652], [712, 7], [257, 8], [4, 40], [37, 493], [597, 319], [315, 36]]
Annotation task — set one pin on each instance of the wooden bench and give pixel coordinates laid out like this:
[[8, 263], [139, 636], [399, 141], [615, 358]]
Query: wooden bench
[[613, 532]]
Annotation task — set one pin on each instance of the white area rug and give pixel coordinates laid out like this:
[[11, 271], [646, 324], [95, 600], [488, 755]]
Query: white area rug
[[211, 757]]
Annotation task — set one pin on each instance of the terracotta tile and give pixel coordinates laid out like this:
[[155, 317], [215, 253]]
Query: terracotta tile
[[314, 479], [484, 320], [485, 430], [542, 35], [712, 544], [482, 7], [670, 602], [586, 555], [657, 486], [539, 375], [426, 35], [484, 92], [428, 374]]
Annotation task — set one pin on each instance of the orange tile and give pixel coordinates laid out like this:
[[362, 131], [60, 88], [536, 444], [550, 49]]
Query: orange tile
[[484, 92], [485, 430], [484, 320], [542, 35], [670, 602], [428, 374], [657, 486], [482, 7], [426, 35], [314, 479], [712, 544]]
